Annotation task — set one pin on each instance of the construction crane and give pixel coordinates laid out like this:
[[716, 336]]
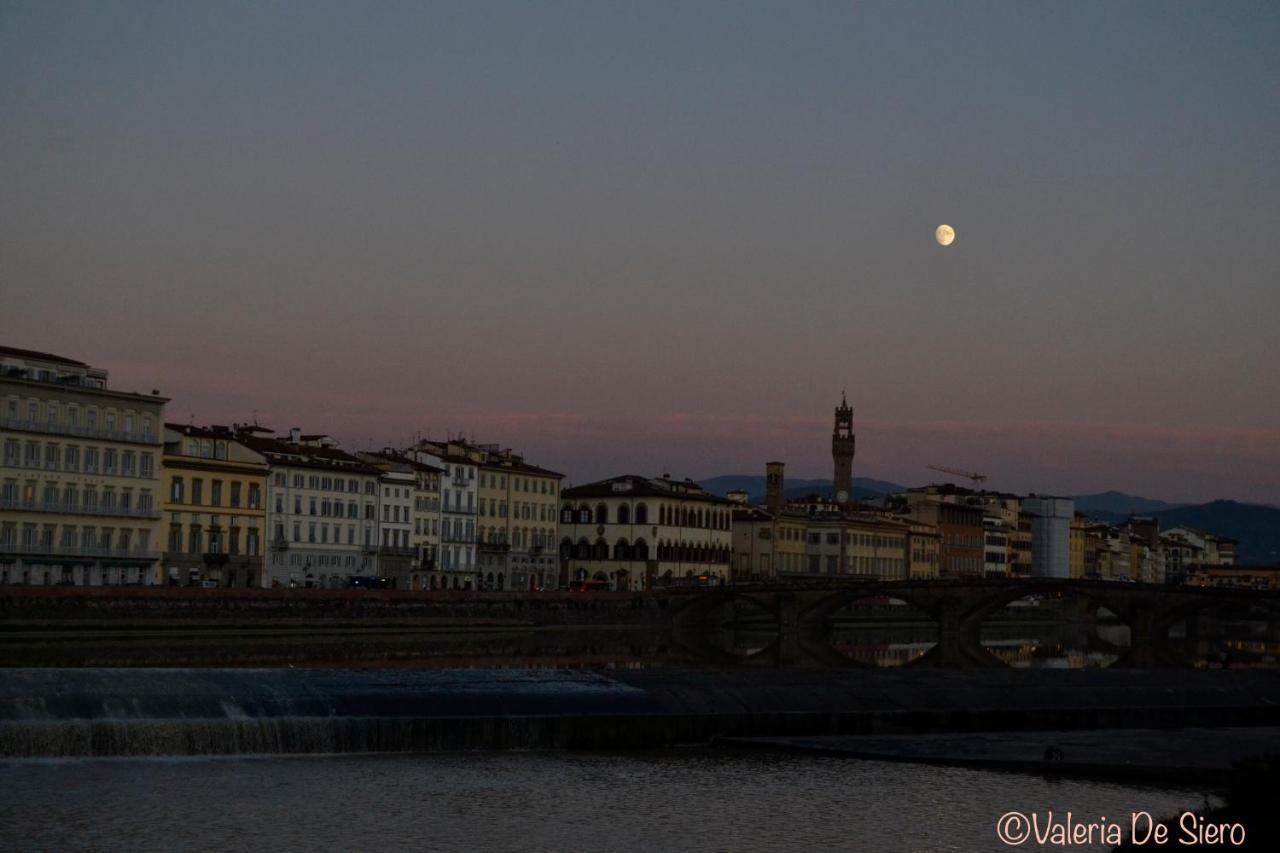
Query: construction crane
[[978, 479]]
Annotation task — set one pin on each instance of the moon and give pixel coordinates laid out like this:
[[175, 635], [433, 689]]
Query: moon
[[945, 235]]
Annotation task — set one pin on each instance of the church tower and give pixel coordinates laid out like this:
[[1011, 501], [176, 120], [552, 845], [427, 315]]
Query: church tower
[[842, 440]]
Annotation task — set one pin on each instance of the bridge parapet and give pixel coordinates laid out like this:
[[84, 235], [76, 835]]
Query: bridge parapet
[[960, 607]]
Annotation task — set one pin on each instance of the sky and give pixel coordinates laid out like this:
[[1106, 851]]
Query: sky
[[665, 237]]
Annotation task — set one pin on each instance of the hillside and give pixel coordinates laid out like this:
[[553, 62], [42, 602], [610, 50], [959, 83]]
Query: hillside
[[1121, 503], [864, 488], [1255, 526]]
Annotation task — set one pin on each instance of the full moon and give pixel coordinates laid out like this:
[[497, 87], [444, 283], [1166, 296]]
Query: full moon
[[945, 235]]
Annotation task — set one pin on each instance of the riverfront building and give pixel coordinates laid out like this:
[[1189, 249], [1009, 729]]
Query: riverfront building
[[1050, 535], [322, 510], [81, 475], [519, 518], [633, 533], [459, 505], [498, 519], [962, 543], [394, 535], [214, 508], [423, 484]]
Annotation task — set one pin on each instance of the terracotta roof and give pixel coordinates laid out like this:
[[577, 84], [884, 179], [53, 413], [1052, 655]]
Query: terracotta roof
[[648, 487], [202, 432], [307, 456], [404, 460], [40, 356]]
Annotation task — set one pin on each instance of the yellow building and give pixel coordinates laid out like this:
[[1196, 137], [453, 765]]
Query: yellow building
[[876, 547], [632, 533], [923, 544], [517, 522], [81, 475], [1079, 524], [215, 508], [790, 544], [754, 532]]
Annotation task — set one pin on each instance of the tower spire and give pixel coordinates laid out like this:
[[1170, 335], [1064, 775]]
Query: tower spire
[[842, 450]]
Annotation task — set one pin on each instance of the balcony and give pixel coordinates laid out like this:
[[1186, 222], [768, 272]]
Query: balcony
[[494, 547], [208, 559], [22, 425], [280, 544], [78, 509], [396, 551], [41, 549]]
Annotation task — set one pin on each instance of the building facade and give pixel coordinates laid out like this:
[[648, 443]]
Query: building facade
[[459, 508], [214, 508], [519, 519], [634, 533], [1050, 535], [81, 475], [322, 511]]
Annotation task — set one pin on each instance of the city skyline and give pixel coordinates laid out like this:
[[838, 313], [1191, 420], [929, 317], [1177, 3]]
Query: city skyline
[[656, 239]]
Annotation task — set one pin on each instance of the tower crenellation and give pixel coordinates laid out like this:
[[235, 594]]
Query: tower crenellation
[[842, 450]]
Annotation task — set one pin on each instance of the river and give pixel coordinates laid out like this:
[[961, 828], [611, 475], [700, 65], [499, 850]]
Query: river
[[706, 798]]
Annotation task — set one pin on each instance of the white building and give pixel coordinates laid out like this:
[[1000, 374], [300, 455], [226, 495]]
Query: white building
[[1050, 535], [459, 485], [322, 511], [631, 533]]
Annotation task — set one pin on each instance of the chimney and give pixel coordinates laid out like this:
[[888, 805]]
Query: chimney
[[295, 435], [773, 486]]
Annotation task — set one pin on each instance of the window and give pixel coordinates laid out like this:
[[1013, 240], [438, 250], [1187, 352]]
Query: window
[[215, 493], [235, 493], [176, 493], [148, 466], [197, 490], [255, 496]]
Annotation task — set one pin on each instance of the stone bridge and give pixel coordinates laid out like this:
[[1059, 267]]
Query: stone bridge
[[959, 608]]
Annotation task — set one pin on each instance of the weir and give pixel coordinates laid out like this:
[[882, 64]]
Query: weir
[[132, 712]]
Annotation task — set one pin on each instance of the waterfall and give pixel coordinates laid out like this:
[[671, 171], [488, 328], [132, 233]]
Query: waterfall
[[145, 712]]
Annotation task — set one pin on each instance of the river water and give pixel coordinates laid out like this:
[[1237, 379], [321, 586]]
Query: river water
[[693, 799]]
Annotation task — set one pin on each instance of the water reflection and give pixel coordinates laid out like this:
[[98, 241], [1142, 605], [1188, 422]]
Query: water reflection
[[1235, 638]]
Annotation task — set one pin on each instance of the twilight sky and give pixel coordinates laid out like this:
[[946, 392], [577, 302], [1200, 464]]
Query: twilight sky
[[647, 237]]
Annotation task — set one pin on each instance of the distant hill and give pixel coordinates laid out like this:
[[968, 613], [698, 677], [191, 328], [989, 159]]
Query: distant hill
[[1255, 526], [864, 488], [1120, 503]]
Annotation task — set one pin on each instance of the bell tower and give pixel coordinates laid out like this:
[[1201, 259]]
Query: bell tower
[[842, 445]]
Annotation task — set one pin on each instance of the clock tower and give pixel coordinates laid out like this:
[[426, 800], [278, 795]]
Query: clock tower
[[842, 441]]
